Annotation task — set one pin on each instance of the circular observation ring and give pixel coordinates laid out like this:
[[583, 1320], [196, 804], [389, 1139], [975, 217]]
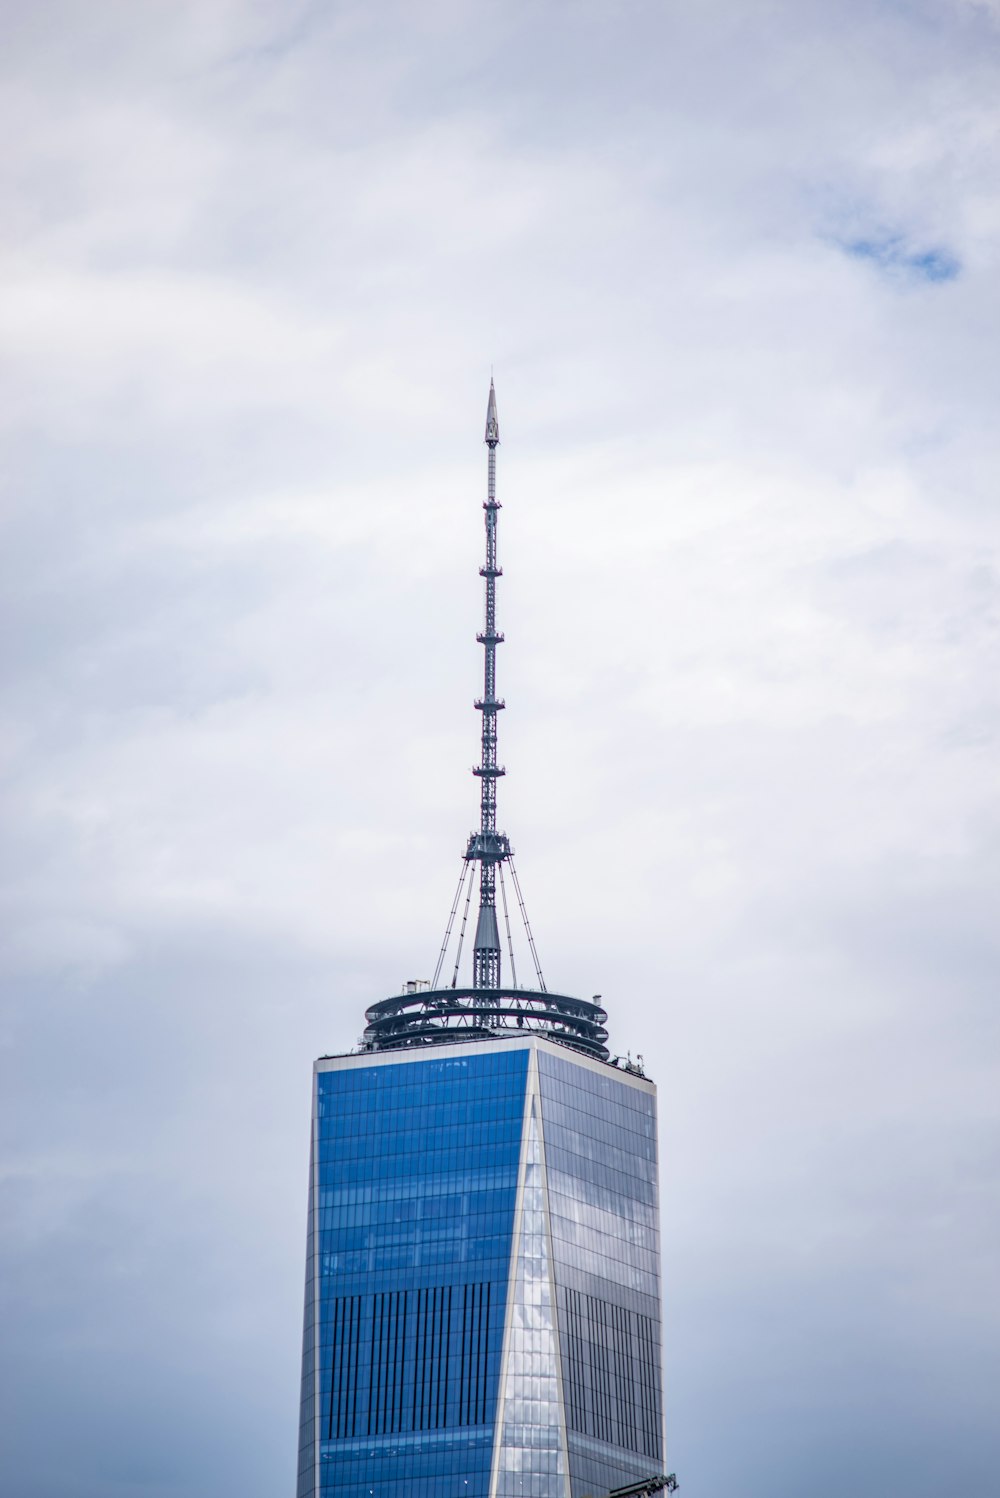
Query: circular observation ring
[[439, 1015]]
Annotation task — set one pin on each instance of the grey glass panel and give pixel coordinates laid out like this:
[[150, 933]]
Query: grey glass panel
[[600, 1151]]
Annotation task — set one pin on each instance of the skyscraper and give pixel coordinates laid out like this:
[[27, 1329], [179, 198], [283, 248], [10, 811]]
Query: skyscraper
[[482, 1311]]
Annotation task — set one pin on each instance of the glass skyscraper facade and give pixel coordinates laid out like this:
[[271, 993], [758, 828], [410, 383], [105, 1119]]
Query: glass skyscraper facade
[[482, 1313]]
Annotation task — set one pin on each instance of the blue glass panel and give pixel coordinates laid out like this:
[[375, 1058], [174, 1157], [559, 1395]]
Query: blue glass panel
[[416, 1177]]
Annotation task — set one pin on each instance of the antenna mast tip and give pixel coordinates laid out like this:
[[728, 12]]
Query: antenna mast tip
[[492, 424]]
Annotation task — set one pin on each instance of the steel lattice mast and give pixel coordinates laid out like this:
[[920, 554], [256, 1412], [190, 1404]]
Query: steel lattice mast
[[489, 847], [425, 1013]]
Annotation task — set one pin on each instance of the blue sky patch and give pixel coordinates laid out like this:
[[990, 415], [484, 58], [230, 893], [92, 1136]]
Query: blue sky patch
[[891, 253]]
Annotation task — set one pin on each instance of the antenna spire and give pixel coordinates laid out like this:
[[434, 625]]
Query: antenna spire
[[488, 847], [425, 1014]]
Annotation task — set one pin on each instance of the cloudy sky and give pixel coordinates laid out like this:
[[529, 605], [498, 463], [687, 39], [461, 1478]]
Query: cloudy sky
[[735, 265]]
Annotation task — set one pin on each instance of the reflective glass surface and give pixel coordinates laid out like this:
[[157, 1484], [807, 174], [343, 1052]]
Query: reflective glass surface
[[531, 1462], [600, 1156], [414, 1185]]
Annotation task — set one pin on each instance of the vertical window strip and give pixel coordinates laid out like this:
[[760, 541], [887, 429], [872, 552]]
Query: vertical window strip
[[447, 1360], [386, 1399], [483, 1381], [656, 1388], [388, 1395], [378, 1365], [386, 1391], [439, 1361], [407, 1362], [435, 1358], [648, 1382], [419, 1385], [602, 1364], [356, 1378], [462, 1391], [348, 1353], [334, 1353], [428, 1392], [480, 1317], [399, 1378], [626, 1403], [474, 1353], [612, 1371], [438, 1356], [632, 1361], [371, 1366]]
